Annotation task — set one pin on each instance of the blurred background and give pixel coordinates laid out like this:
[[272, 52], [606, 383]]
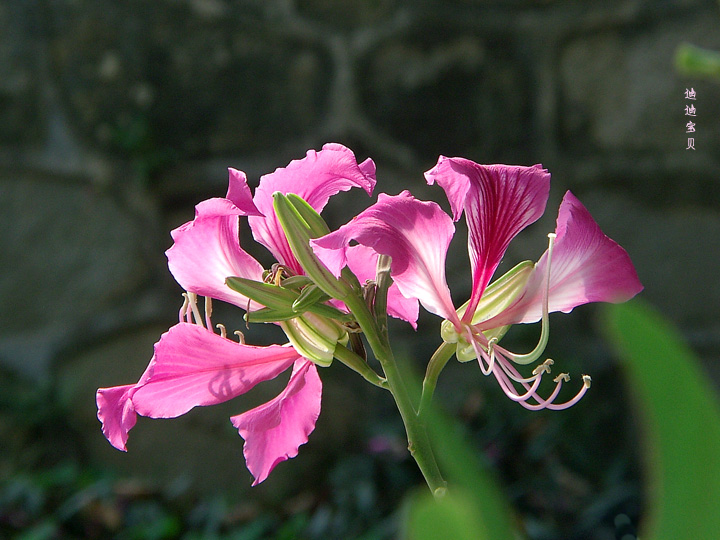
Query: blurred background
[[117, 117]]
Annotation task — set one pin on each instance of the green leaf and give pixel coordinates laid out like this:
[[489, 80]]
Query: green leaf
[[681, 425], [475, 507], [454, 517], [694, 61]]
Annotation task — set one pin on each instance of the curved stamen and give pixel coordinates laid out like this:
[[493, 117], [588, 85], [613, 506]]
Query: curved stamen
[[491, 351], [510, 390], [488, 356], [184, 308], [512, 393], [483, 348], [514, 374], [585, 387], [223, 330], [544, 403], [192, 299], [530, 391], [208, 311], [545, 332], [241, 336]]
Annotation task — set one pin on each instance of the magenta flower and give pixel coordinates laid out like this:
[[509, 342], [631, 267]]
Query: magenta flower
[[581, 264], [193, 366]]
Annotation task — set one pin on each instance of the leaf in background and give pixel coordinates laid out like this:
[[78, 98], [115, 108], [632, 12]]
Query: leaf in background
[[694, 61], [475, 507], [681, 419]]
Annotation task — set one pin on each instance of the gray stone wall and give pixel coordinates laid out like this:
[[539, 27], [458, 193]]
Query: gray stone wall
[[116, 117]]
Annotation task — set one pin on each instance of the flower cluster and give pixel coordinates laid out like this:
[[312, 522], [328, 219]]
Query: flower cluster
[[326, 290]]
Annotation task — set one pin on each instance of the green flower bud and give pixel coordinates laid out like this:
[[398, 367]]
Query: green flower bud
[[315, 337], [300, 223]]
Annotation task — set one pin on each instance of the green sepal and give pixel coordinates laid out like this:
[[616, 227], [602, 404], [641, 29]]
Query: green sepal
[[315, 222], [266, 294], [281, 303], [465, 351], [502, 292], [268, 315], [298, 233], [330, 312], [498, 296], [312, 294], [296, 282]]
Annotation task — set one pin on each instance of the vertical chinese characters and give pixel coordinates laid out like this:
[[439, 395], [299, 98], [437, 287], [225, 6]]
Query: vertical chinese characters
[[691, 111]]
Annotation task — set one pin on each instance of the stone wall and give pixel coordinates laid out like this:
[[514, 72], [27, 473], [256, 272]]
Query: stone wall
[[116, 117]]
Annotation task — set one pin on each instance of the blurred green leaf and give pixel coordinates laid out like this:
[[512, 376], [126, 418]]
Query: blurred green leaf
[[475, 508], [694, 61], [681, 417]]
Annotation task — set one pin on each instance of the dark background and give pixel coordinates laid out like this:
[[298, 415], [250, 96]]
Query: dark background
[[116, 117]]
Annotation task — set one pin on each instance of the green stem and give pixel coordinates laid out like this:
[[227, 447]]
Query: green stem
[[418, 440], [382, 282], [436, 364], [357, 364]]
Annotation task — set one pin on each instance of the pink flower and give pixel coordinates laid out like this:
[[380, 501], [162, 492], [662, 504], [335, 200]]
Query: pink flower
[[581, 264], [193, 366]]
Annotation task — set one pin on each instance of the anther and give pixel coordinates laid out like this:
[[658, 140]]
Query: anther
[[564, 377], [587, 381], [241, 337], [544, 367], [223, 331]]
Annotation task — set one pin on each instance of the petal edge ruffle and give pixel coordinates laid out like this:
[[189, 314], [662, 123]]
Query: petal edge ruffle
[[274, 431]]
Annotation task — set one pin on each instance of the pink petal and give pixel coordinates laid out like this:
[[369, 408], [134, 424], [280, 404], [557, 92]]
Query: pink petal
[[586, 266], [116, 410], [362, 261], [499, 201], [117, 414], [416, 234], [207, 250], [193, 366], [316, 177], [274, 431], [239, 193]]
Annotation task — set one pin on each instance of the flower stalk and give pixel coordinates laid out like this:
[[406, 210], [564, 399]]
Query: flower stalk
[[417, 436]]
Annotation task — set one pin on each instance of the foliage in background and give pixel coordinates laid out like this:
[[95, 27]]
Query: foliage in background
[[694, 61], [681, 424]]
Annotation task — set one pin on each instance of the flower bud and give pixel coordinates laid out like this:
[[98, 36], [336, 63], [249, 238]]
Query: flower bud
[[315, 337], [300, 222]]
